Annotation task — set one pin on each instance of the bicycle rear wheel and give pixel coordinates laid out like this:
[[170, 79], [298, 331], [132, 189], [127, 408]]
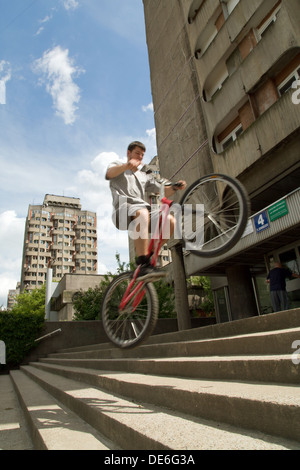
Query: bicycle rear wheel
[[130, 326], [215, 209]]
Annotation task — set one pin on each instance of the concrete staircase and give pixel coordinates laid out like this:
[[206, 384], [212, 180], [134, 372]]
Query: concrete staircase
[[225, 386]]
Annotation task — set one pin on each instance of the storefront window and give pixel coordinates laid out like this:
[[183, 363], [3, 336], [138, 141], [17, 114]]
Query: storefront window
[[289, 260], [222, 305]]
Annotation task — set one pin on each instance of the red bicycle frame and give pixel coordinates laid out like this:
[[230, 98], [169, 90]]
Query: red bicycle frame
[[154, 247]]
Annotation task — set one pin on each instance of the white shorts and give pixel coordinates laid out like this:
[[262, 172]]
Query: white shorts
[[124, 214]]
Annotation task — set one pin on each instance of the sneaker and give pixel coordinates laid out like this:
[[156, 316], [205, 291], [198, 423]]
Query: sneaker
[[149, 273]]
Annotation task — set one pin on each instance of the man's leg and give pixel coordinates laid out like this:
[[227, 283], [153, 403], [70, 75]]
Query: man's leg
[[284, 300], [139, 232], [275, 300], [168, 229]]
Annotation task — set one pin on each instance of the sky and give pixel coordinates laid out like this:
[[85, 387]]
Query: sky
[[74, 92]]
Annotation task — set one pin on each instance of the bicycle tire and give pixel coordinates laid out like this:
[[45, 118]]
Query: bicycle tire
[[128, 329], [224, 216]]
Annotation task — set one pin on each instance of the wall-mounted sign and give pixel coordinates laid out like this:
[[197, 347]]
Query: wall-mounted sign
[[279, 209], [248, 229], [261, 221]]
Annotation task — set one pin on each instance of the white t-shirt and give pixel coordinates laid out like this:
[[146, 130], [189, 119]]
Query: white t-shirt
[[129, 190]]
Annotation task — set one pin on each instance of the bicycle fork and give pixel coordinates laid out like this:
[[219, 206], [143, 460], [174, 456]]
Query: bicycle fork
[[138, 292]]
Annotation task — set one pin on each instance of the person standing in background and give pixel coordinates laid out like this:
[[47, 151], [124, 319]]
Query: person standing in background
[[277, 280]]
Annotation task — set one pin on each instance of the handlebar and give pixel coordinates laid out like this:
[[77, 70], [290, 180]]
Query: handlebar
[[174, 185], [177, 185]]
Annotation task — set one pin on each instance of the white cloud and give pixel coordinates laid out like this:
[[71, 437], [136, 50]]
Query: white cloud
[[57, 70], [11, 243], [5, 76], [70, 4], [149, 107], [95, 195], [151, 133], [43, 21], [39, 31], [46, 19]]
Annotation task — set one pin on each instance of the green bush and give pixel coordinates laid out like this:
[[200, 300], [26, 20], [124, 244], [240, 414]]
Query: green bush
[[18, 331], [87, 304], [30, 302]]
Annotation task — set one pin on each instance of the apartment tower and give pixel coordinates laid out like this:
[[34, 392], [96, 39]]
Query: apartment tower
[[61, 236], [225, 77]]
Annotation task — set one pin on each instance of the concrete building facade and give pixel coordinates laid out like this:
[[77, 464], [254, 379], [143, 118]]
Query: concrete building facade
[[61, 236], [225, 79], [62, 297]]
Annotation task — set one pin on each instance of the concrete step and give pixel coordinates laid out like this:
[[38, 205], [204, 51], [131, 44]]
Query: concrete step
[[263, 323], [275, 369], [226, 386], [14, 432], [262, 343], [135, 425], [52, 425], [268, 408]]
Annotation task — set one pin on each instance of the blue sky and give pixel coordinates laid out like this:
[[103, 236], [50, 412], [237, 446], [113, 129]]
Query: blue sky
[[74, 91]]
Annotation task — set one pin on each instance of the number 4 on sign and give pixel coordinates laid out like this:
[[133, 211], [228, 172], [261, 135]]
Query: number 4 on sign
[[261, 221]]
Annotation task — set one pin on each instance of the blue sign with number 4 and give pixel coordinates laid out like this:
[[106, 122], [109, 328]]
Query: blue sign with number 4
[[261, 221]]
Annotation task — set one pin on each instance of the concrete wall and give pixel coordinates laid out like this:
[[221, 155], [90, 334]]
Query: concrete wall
[[212, 68], [62, 298], [83, 333]]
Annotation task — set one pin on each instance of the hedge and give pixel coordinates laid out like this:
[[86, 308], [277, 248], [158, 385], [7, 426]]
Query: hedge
[[18, 331]]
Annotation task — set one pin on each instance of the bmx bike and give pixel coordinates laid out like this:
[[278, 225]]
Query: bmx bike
[[130, 307]]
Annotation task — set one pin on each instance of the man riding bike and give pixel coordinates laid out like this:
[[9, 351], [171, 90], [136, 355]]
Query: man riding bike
[[131, 211]]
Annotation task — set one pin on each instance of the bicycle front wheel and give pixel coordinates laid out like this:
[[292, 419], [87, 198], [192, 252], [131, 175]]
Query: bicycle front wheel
[[215, 214], [131, 325]]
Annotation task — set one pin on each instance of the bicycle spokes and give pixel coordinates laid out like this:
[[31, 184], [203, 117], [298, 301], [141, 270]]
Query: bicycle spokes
[[225, 212]]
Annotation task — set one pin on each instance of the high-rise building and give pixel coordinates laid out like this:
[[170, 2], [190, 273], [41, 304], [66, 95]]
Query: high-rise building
[[58, 235], [225, 77], [12, 294]]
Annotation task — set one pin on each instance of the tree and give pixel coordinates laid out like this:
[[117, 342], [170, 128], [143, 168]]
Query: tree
[[22, 324], [87, 304], [31, 302], [207, 300]]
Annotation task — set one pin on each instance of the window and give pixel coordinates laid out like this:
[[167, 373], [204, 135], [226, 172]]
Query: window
[[267, 22], [229, 139], [288, 82], [289, 260]]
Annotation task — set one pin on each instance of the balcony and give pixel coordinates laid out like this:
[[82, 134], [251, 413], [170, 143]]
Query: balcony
[[279, 39], [258, 63], [272, 128], [201, 20], [227, 38]]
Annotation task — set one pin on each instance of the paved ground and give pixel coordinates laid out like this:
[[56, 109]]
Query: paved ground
[[13, 431]]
